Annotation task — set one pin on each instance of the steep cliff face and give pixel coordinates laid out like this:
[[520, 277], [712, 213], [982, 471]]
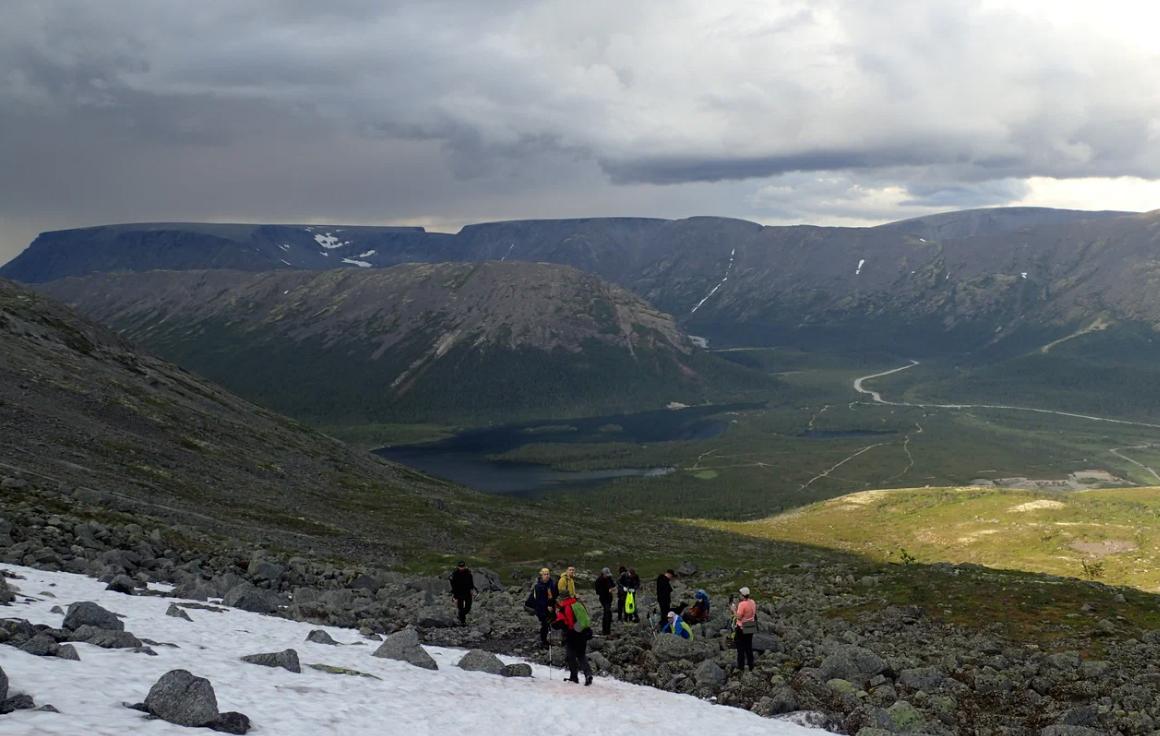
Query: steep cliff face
[[454, 340]]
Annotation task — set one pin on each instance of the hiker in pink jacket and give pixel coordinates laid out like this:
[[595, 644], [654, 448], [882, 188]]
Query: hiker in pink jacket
[[744, 625]]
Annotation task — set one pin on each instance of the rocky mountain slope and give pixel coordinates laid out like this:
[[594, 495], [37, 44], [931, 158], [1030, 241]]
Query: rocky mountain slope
[[418, 341], [938, 283], [82, 408]]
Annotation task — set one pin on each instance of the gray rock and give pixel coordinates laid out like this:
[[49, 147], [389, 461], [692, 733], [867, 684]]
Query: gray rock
[[180, 697], [177, 612], [435, 617], [709, 674], [1070, 731], [905, 718], [231, 722], [68, 651], [318, 636], [928, 679], [3, 684], [765, 643], [264, 571], [520, 669], [667, 647], [248, 598], [6, 594], [17, 702], [86, 613], [852, 663], [106, 638], [122, 584], [404, 647], [287, 659], [477, 660], [48, 709], [40, 645]]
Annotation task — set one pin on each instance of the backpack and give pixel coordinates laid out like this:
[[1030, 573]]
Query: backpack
[[630, 601], [581, 617]]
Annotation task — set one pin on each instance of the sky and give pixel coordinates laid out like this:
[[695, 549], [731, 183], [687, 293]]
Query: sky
[[441, 113]]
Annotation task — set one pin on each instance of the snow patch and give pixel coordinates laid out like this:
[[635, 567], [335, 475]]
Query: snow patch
[[728, 270], [329, 241], [1023, 275], [509, 252], [1041, 505], [368, 254], [858, 271], [284, 246], [404, 699], [353, 262], [288, 263]]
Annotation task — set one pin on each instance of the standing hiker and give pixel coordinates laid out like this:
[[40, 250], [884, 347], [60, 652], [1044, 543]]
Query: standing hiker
[[604, 586], [576, 629], [463, 590], [744, 626], [542, 600], [631, 591], [567, 584], [665, 593], [621, 586]]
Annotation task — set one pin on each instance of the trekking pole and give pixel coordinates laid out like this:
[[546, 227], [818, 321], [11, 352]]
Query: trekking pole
[[549, 657]]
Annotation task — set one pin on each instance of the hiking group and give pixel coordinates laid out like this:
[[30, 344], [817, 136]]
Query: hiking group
[[557, 606]]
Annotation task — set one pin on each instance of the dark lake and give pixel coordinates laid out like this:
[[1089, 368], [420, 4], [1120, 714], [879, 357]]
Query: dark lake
[[464, 459]]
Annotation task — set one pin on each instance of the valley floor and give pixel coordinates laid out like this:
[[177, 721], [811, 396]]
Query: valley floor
[[399, 698]]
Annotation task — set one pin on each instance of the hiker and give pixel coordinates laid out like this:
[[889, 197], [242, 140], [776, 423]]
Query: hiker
[[621, 586], [744, 626], [665, 592], [567, 584], [543, 601], [698, 613], [576, 629], [604, 586], [463, 590], [676, 626], [632, 587]]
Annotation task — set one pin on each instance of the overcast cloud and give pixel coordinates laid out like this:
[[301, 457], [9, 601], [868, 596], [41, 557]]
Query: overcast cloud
[[443, 113]]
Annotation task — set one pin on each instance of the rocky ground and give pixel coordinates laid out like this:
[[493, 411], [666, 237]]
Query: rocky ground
[[824, 651]]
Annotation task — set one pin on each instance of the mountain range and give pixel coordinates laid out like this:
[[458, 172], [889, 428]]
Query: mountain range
[[458, 341]]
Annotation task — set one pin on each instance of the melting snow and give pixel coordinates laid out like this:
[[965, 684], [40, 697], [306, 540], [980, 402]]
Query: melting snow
[[285, 261], [721, 283], [1023, 275], [402, 698], [328, 241], [858, 271], [353, 262], [509, 252], [368, 254], [284, 246]]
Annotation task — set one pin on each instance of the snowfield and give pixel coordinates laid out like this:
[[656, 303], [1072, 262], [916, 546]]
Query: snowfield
[[404, 700]]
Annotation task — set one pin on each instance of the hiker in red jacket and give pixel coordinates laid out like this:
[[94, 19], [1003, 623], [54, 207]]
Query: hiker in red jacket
[[575, 626]]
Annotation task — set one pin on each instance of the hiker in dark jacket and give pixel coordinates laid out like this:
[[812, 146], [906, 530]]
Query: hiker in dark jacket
[[463, 590], [544, 595], [604, 586], [633, 585], [665, 593], [621, 586]]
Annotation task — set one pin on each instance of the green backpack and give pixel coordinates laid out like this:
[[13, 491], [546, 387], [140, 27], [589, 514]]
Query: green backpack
[[630, 601], [580, 613]]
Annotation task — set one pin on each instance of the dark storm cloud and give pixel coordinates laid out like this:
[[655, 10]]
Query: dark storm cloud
[[447, 112]]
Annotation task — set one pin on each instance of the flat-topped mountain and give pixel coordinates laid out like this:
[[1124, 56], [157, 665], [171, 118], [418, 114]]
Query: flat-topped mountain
[[417, 341]]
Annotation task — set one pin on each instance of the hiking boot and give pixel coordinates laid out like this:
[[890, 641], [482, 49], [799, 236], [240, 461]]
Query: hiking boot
[[587, 680], [572, 679]]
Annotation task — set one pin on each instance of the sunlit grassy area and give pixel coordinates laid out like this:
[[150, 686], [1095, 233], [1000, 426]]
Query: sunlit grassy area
[[1112, 535]]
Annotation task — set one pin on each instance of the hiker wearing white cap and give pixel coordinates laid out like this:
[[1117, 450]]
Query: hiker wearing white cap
[[604, 587], [744, 625]]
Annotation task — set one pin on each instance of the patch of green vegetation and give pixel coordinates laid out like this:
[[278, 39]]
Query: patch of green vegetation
[[1111, 534], [705, 474]]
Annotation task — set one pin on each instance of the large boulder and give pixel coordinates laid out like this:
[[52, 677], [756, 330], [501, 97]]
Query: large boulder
[[709, 674], [477, 660], [86, 613], [105, 638], [436, 617], [264, 571], [122, 584], [248, 598], [488, 581], [287, 659], [182, 698], [318, 636], [519, 669], [404, 647], [667, 647], [6, 594], [853, 663]]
